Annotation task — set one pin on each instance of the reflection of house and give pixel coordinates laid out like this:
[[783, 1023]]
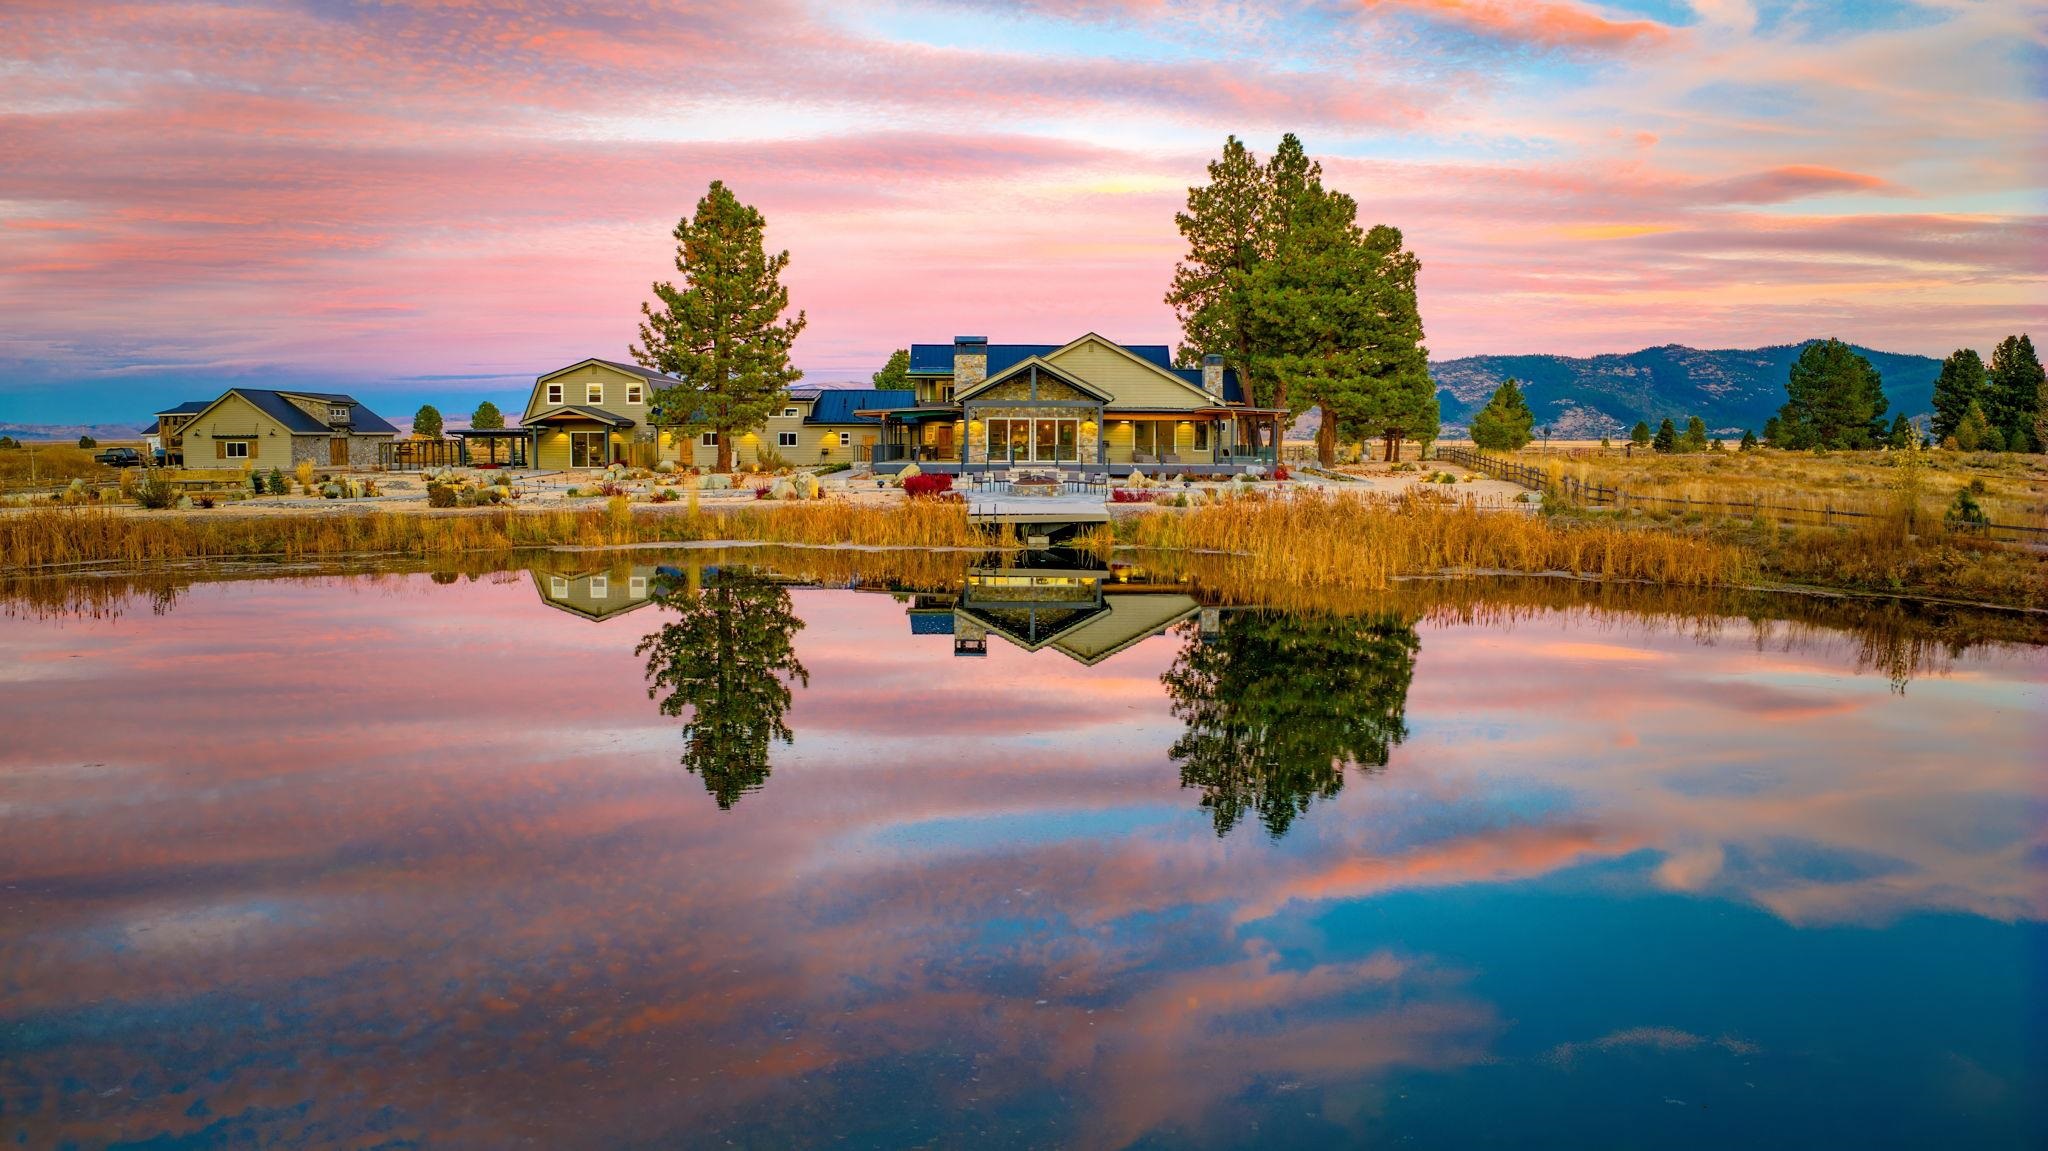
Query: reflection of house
[[1090, 402], [596, 595], [1076, 611], [267, 428]]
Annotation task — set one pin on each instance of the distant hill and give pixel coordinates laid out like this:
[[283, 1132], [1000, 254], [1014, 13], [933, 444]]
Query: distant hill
[[1585, 397], [69, 433]]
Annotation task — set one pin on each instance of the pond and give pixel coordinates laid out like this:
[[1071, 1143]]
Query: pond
[[764, 849]]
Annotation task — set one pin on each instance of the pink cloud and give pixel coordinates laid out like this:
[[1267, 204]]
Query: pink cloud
[[1552, 23]]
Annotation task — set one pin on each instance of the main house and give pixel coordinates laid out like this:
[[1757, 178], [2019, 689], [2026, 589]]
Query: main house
[[1090, 402], [274, 428], [596, 411]]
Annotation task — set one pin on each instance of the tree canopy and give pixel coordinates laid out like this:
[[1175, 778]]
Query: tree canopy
[[2015, 394], [1667, 437], [1960, 384], [1640, 435], [1695, 437], [721, 334], [726, 662], [896, 372], [426, 423], [1505, 424], [1834, 399], [487, 417]]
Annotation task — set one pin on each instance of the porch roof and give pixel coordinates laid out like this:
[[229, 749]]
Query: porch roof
[[574, 413]]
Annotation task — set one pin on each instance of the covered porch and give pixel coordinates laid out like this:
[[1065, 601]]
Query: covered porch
[[579, 437]]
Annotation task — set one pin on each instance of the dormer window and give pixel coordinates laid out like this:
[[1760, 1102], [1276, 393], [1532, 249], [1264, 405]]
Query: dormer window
[[554, 393], [337, 414]]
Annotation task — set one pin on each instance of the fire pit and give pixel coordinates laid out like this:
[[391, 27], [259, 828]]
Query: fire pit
[[1036, 484]]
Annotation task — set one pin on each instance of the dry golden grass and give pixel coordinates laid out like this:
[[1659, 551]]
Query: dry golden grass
[[49, 464], [1315, 541]]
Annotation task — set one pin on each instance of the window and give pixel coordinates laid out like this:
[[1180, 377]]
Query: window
[[337, 413], [708, 439], [636, 587], [600, 588], [237, 449], [785, 439], [790, 413], [593, 393], [633, 393], [558, 587], [1201, 437], [554, 393], [846, 439]]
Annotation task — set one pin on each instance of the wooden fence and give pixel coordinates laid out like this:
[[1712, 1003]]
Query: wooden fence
[[1585, 494]]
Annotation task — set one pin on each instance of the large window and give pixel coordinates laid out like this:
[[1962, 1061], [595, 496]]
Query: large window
[[236, 450], [589, 449], [1034, 441], [1146, 437]]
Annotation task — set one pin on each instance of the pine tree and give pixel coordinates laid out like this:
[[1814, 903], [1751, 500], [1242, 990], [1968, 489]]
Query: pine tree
[[1695, 437], [2013, 392], [1834, 399], [722, 334], [1748, 443], [1640, 435], [1772, 431], [1505, 423], [1396, 399], [895, 375], [426, 423], [487, 417], [1974, 431], [1226, 229], [1667, 437], [1960, 384], [1903, 434]]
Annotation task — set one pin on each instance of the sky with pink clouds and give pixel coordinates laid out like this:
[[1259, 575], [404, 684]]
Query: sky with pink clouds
[[439, 199]]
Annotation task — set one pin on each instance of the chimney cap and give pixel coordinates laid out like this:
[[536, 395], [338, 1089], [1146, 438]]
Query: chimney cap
[[970, 339], [1212, 358]]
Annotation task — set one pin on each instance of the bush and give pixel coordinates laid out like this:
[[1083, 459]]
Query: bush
[[1964, 513], [770, 460], [440, 496], [277, 484], [925, 486], [1127, 496], [202, 501], [828, 469], [155, 492], [88, 443], [1281, 472], [610, 488]]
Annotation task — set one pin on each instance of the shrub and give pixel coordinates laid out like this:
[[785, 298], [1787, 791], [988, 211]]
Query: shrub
[[924, 486], [88, 443], [155, 491], [828, 469], [610, 488], [256, 483], [1127, 496], [277, 484], [1964, 513], [1281, 472], [443, 496], [662, 496], [202, 501]]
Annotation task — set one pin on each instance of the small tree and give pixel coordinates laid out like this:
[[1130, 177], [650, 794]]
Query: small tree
[[1505, 424], [1716, 445], [1605, 443], [87, 442], [1960, 384], [1974, 431], [1695, 438], [8, 443], [1667, 437], [1640, 434], [487, 417], [896, 373], [2013, 390], [426, 423], [1772, 432], [1748, 443], [1903, 433]]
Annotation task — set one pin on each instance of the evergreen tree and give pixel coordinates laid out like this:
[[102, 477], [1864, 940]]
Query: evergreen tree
[[1834, 399], [1695, 437], [722, 334], [2013, 391], [88, 443], [1772, 430], [727, 659], [896, 373], [1667, 437], [1960, 384], [1640, 434], [1505, 424], [1903, 434], [1748, 443], [426, 423], [1226, 229], [1395, 399], [487, 417]]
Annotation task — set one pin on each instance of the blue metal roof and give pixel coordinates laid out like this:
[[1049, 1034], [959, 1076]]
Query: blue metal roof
[[937, 359], [837, 405]]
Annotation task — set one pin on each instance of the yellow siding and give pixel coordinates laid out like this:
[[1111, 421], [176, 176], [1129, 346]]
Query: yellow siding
[[1131, 383], [272, 447], [613, 388]]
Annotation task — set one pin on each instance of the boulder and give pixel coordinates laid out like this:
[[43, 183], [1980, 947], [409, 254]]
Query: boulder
[[909, 471], [716, 483], [807, 486], [782, 489]]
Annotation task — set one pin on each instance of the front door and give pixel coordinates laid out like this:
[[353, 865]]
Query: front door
[[589, 449], [337, 452], [945, 443]]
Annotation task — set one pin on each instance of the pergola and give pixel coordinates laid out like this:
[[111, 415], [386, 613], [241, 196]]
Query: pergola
[[520, 445]]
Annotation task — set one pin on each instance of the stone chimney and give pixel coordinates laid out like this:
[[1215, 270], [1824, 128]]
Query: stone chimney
[[970, 361], [1212, 376]]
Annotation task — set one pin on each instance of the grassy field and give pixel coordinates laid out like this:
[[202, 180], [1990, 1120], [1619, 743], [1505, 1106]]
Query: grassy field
[[48, 465]]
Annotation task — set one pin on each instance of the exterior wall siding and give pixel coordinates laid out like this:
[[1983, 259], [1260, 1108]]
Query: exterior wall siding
[[613, 387], [1129, 383], [271, 447]]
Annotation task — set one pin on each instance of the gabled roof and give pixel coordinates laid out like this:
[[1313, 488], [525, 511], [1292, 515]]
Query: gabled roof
[[580, 412], [1022, 367], [838, 405], [937, 359], [629, 369], [272, 403]]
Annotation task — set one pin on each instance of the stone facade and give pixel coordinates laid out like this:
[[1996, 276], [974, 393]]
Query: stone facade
[[362, 451]]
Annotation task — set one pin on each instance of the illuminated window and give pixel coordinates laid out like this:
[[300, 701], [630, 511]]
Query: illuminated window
[[636, 587], [593, 393], [633, 393]]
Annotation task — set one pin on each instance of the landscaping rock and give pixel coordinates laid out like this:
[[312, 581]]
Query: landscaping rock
[[716, 483], [807, 486], [781, 489]]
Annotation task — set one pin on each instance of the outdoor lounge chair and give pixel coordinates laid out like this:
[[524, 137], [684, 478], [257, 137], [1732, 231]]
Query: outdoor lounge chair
[[1169, 458], [1141, 457]]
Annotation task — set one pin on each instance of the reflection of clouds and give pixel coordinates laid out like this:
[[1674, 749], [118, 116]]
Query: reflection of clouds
[[461, 874]]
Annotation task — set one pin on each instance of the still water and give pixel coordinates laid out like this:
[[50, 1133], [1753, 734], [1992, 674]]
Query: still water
[[704, 852]]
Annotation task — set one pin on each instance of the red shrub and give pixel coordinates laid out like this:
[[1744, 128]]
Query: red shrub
[[1280, 473], [926, 485], [1127, 496]]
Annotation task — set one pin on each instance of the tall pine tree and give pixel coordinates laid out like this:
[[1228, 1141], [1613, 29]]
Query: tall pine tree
[[2013, 393], [1225, 227], [1505, 423], [1834, 399], [1960, 384], [722, 334]]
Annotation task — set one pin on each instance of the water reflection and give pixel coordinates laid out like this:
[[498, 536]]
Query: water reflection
[[725, 662], [1279, 706]]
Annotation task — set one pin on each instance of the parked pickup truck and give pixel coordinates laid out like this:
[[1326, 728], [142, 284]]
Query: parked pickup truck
[[120, 458]]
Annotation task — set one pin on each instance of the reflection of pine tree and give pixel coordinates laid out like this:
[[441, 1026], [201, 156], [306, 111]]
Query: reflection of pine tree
[[728, 657], [1277, 706]]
